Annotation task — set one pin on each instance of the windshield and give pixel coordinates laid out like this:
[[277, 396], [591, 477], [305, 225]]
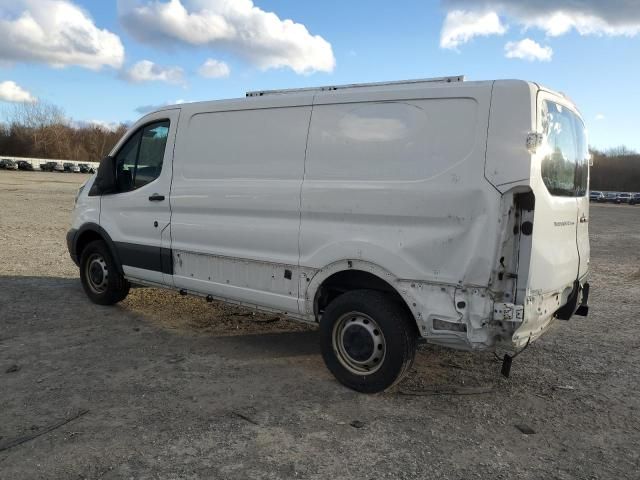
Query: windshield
[[565, 164]]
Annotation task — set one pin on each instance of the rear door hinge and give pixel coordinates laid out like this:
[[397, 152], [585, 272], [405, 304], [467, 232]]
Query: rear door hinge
[[534, 140]]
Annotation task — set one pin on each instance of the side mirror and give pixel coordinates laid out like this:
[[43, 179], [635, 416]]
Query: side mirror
[[106, 178]]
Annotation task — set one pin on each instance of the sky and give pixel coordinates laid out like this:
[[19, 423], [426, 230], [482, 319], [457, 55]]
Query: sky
[[112, 61]]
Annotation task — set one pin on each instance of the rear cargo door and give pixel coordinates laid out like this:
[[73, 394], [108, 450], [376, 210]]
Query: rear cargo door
[[559, 247], [582, 197], [583, 235]]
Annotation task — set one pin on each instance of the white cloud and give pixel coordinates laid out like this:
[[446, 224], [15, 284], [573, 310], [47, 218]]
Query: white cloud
[[560, 23], [144, 109], [558, 17], [101, 124], [55, 32], [237, 26], [104, 125], [529, 50], [214, 69], [147, 71], [12, 92], [600, 116], [461, 26]]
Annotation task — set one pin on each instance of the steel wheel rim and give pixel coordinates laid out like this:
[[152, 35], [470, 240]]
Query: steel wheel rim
[[359, 343], [97, 274]]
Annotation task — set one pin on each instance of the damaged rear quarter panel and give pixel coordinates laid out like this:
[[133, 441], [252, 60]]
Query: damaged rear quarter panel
[[427, 221]]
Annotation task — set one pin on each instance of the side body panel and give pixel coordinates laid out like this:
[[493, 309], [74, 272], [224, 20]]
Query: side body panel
[[396, 181], [513, 117], [400, 183], [236, 200]]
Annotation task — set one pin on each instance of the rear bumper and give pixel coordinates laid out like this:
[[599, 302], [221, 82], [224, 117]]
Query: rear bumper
[[583, 307], [541, 310], [577, 302], [71, 245]]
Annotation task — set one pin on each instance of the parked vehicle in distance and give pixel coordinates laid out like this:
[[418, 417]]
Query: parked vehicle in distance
[[58, 167], [71, 167], [394, 212], [623, 198], [8, 164], [48, 166], [611, 197], [596, 196], [85, 168], [635, 199], [24, 165]]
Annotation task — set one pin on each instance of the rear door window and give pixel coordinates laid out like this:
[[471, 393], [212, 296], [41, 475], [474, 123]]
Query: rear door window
[[565, 165]]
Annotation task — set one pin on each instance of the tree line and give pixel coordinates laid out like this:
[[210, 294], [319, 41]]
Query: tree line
[[41, 130], [616, 170]]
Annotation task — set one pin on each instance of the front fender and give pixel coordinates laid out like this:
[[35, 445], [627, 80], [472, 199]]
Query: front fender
[[75, 242]]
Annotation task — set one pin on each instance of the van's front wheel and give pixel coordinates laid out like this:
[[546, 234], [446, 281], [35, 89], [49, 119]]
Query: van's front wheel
[[99, 275], [368, 340]]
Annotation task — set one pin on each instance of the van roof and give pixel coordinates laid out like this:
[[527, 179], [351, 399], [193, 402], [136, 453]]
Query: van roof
[[351, 86], [452, 81]]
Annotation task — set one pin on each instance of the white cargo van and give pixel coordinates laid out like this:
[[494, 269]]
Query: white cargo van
[[441, 209]]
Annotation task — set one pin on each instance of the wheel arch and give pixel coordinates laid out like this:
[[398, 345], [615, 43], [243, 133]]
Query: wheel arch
[[90, 232], [347, 275]]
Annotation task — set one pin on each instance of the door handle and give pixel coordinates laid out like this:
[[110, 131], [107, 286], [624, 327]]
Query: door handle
[[156, 197]]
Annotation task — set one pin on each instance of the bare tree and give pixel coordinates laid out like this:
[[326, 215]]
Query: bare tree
[[617, 169], [42, 130], [38, 122]]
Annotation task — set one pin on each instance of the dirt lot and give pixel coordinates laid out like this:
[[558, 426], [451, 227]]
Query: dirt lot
[[173, 387]]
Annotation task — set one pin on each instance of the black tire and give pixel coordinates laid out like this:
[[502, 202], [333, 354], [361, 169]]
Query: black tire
[[349, 341], [99, 275]]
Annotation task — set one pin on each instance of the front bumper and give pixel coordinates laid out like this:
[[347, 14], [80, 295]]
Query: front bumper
[[71, 245]]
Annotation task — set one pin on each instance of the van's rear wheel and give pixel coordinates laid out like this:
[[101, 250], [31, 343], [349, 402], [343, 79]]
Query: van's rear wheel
[[99, 275], [368, 340]]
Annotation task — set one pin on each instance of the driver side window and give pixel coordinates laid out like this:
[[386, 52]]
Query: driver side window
[[139, 161]]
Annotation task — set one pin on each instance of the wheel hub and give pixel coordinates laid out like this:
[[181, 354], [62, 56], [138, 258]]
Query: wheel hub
[[359, 343], [97, 274]]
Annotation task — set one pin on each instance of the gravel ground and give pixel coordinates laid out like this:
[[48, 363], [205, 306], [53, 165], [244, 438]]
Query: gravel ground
[[167, 387]]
